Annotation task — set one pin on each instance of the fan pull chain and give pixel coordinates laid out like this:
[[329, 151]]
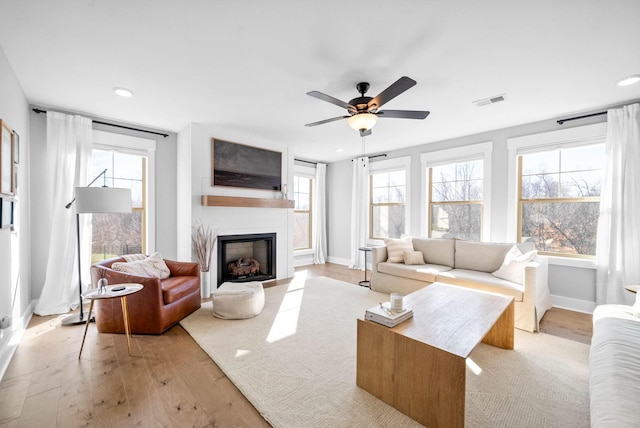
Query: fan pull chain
[[363, 154]]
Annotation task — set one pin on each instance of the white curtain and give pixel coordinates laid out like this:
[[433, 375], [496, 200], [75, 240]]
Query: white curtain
[[68, 152], [618, 241], [320, 218], [359, 211]]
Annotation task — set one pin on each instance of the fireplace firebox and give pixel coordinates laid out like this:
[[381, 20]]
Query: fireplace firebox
[[243, 258]]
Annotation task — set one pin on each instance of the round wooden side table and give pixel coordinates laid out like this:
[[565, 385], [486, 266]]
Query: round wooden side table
[[116, 290]]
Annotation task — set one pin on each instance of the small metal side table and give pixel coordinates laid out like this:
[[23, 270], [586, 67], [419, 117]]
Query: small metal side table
[[632, 288], [116, 290], [366, 282]]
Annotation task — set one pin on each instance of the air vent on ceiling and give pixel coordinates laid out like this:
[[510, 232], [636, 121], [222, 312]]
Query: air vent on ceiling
[[490, 100]]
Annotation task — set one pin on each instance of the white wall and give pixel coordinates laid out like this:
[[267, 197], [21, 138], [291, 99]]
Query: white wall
[[234, 220], [572, 286], [15, 294]]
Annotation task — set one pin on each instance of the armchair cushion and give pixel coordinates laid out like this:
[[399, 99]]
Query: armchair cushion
[[153, 266], [177, 287]]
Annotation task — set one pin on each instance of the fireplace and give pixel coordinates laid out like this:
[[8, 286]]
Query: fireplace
[[253, 257]]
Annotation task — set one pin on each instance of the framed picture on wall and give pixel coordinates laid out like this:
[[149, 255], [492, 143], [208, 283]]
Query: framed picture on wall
[[6, 213], [237, 165], [6, 159], [16, 148]]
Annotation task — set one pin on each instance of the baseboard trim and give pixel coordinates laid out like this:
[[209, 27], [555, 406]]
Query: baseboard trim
[[584, 306], [339, 261], [10, 338]]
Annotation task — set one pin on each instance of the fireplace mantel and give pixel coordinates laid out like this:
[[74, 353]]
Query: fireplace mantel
[[234, 201]]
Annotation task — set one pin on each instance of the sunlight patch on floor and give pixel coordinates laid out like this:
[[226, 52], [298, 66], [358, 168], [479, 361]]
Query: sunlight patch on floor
[[286, 322], [473, 366], [241, 353]]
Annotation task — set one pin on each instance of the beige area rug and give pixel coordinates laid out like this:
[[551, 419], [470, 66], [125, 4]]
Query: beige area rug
[[296, 362]]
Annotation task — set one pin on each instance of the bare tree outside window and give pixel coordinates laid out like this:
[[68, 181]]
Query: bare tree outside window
[[388, 204], [559, 201], [456, 200]]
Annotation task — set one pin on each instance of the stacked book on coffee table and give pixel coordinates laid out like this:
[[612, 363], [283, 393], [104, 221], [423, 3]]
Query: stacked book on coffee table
[[382, 314]]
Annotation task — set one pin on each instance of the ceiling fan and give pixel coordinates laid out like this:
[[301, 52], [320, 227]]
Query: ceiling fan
[[365, 111]]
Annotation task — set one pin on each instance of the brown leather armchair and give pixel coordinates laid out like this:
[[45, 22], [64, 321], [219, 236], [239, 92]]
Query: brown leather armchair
[[160, 304]]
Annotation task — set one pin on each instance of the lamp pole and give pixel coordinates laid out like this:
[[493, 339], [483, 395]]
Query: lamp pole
[[79, 318]]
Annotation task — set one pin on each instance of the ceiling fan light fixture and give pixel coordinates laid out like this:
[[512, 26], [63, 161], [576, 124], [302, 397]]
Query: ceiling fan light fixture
[[123, 92], [362, 121], [629, 80]]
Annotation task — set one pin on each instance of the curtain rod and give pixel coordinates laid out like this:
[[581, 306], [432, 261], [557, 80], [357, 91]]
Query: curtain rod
[[300, 160], [37, 110], [371, 157], [561, 121]]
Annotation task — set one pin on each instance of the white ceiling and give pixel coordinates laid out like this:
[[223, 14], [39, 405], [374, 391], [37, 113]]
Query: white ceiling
[[246, 66]]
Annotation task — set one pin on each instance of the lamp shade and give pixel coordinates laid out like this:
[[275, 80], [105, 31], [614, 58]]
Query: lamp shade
[[362, 121], [103, 200]]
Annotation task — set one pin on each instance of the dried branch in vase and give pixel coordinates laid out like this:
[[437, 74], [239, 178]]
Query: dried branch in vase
[[203, 241]]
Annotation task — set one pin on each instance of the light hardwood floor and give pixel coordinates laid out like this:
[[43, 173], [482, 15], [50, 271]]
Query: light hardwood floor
[[169, 381]]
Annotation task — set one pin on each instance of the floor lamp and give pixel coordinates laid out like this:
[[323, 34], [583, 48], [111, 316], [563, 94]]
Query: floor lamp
[[95, 200]]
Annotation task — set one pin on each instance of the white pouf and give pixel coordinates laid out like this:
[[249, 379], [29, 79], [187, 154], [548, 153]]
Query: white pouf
[[238, 300]]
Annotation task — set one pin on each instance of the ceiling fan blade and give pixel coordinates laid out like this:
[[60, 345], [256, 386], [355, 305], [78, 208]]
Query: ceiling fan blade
[[396, 88], [330, 99], [403, 114], [365, 132], [333, 119]]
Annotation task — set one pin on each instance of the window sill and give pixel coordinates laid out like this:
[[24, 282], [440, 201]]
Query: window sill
[[571, 262], [302, 252]]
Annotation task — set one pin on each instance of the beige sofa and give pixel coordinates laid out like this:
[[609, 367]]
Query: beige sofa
[[469, 264]]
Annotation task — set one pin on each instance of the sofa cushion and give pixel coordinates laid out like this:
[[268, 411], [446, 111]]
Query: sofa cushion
[[396, 249], [480, 256], [484, 281], [177, 287], [153, 266], [426, 272], [436, 251], [512, 268], [413, 258]]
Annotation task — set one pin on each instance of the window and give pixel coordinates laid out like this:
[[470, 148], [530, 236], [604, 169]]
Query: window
[[388, 193], [456, 200], [130, 163], [559, 199], [116, 234], [302, 213]]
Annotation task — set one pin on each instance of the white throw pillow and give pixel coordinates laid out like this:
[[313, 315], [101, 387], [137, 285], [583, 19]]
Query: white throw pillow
[[153, 266], [397, 247], [413, 258], [512, 268], [134, 257]]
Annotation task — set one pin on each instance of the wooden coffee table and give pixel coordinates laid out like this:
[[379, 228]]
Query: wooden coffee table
[[419, 366]]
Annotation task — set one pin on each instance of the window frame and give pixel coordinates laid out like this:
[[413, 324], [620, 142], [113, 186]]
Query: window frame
[[386, 166], [428, 160], [104, 140], [309, 211], [579, 136]]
